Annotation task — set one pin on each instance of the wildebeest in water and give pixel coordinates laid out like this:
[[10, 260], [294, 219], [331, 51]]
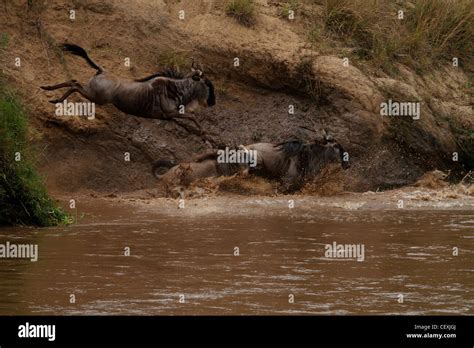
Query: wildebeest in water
[[291, 162]]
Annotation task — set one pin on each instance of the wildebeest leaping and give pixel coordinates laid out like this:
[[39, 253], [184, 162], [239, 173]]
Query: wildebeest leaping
[[291, 162], [159, 96]]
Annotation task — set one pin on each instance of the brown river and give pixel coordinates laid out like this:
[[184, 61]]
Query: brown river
[[213, 257]]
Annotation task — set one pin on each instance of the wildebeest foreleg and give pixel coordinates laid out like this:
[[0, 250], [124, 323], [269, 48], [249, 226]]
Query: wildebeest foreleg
[[204, 136], [184, 125], [190, 117]]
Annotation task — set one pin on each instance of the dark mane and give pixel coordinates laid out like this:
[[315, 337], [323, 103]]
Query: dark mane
[[290, 148], [312, 159], [171, 73]]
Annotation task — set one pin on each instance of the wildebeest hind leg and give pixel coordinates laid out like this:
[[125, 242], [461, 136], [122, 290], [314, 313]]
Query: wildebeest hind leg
[[65, 95], [75, 88], [59, 85], [83, 92]]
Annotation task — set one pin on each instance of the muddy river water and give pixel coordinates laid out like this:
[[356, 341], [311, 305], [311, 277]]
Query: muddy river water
[[224, 264]]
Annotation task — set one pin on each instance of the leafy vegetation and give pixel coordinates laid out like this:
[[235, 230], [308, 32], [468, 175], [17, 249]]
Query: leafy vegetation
[[173, 59], [23, 198], [243, 11], [285, 9], [420, 33]]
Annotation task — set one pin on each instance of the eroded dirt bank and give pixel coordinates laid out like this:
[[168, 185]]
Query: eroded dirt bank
[[277, 65]]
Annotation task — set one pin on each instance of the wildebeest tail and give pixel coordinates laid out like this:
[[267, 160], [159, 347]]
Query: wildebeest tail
[[211, 99], [79, 51], [159, 166]]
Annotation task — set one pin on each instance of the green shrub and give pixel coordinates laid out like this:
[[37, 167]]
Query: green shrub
[[441, 29], [431, 32], [243, 11], [174, 59], [23, 198], [291, 5]]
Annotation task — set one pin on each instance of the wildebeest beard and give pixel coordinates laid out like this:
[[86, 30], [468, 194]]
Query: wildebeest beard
[[211, 99], [310, 160]]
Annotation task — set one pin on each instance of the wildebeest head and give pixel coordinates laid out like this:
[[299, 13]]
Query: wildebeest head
[[332, 151], [294, 162], [205, 89], [328, 148]]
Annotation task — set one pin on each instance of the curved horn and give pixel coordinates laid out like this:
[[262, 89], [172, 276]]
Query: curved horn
[[159, 165], [196, 66], [323, 128], [193, 64], [326, 135]]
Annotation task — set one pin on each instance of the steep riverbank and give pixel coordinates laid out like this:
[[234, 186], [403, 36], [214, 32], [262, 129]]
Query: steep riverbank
[[279, 66]]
